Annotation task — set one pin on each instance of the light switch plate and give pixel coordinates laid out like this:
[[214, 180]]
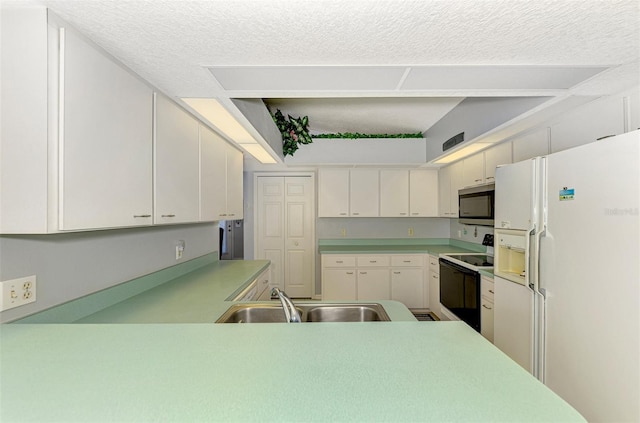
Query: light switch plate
[[17, 292]]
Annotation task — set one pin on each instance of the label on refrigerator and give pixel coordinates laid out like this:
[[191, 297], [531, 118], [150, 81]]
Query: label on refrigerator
[[566, 194]]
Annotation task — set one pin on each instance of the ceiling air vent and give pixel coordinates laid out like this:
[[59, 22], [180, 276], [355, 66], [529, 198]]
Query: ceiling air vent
[[455, 140]]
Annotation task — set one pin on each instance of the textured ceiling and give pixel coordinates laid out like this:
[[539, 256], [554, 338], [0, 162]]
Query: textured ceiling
[[171, 43]]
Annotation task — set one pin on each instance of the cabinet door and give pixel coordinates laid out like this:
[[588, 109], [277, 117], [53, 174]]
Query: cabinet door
[[531, 145], [494, 156], [213, 187], [486, 319], [407, 286], [633, 113], [423, 193], [434, 286], [177, 156], [473, 170], [106, 147], [444, 192], [333, 193], [394, 193], [456, 184], [235, 203], [365, 193], [374, 284], [338, 284], [600, 118]]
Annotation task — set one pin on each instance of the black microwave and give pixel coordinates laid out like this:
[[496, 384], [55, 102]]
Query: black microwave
[[476, 205]]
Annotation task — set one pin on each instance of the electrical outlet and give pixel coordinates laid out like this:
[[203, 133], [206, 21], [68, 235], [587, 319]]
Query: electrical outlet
[[180, 245], [17, 292], [343, 232], [410, 231]]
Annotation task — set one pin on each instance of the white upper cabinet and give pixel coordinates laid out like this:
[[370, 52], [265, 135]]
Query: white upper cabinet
[[177, 167], [449, 182], [333, 192], [76, 135], [600, 118], [633, 110], [473, 170], [493, 157], [423, 193], [106, 141], [531, 145], [235, 203], [213, 175], [394, 193], [364, 193]]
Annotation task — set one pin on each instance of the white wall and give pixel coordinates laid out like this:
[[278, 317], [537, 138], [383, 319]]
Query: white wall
[[468, 233], [69, 266]]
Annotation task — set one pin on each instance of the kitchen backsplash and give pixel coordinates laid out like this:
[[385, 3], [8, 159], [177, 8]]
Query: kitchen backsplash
[[382, 227]]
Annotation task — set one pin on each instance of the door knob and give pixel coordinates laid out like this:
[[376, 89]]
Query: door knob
[[296, 243]]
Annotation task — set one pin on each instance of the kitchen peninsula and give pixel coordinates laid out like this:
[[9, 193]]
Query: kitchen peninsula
[[402, 370]]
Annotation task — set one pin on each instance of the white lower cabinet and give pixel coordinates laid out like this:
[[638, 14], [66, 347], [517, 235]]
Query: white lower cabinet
[[486, 310], [375, 277], [374, 284], [339, 284]]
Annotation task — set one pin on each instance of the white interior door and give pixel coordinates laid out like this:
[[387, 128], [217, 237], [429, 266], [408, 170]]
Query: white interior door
[[270, 226], [285, 231]]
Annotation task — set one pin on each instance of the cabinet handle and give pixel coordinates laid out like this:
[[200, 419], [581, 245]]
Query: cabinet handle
[[356, 214], [168, 215], [373, 261], [339, 261], [477, 180], [231, 214], [490, 177], [403, 214], [349, 273], [222, 214], [485, 306], [363, 273], [606, 136], [141, 215], [434, 276], [406, 261], [342, 214], [491, 290], [396, 273], [415, 214]]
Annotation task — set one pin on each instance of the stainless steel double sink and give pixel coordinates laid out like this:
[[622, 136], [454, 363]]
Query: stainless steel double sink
[[309, 312]]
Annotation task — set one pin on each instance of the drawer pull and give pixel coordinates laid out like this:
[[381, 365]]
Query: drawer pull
[[141, 215], [373, 261], [168, 215], [434, 276], [491, 290], [363, 273], [415, 214], [403, 214], [490, 177], [477, 180], [396, 273], [406, 261], [339, 261], [485, 306], [349, 273], [356, 214], [344, 214]]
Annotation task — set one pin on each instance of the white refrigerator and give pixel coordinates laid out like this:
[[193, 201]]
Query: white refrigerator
[[567, 273]]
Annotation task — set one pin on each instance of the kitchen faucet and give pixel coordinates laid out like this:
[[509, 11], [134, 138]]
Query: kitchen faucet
[[290, 311]]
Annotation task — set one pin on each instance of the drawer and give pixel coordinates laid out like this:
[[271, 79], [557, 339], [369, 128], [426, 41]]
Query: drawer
[[486, 288], [434, 265], [329, 260], [407, 261], [373, 261]]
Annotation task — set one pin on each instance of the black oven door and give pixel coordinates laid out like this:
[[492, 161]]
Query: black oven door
[[460, 292]]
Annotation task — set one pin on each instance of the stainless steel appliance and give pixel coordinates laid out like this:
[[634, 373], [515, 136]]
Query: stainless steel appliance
[[460, 285], [567, 296], [476, 205]]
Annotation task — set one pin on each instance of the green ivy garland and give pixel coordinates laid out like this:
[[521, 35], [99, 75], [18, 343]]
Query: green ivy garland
[[354, 135], [294, 131]]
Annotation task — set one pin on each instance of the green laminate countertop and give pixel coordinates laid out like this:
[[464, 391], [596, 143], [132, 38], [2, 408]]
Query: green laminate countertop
[[396, 371], [179, 366], [396, 246], [199, 297]]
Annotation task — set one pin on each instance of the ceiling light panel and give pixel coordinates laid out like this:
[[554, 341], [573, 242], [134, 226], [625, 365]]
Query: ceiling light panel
[[497, 77], [308, 78]]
